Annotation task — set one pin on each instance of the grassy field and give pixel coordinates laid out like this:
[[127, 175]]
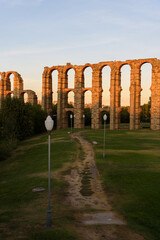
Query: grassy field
[[131, 176], [130, 172], [23, 212]]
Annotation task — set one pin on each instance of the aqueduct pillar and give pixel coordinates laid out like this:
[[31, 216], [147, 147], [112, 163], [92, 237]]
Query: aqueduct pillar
[[155, 98], [79, 99], [117, 98], [132, 90], [96, 99]]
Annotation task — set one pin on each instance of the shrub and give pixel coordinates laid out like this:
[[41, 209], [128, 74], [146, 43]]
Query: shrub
[[39, 118], [17, 119]]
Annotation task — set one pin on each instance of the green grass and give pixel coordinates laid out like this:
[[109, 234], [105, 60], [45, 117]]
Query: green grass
[[23, 212], [131, 176], [130, 173]]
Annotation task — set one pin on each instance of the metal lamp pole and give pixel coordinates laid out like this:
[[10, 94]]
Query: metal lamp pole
[[71, 125], [84, 121], [104, 118], [49, 125]]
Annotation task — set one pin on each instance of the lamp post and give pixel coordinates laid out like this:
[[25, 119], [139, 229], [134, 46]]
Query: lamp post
[[71, 116], [49, 126], [84, 121], [104, 118]]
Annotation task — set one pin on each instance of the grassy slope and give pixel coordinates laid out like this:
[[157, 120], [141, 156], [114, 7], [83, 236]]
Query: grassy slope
[[23, 212], [131, 175]]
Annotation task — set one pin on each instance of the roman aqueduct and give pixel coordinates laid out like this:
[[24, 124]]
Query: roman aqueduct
[[96, 90], [5, 87], [115, 93]]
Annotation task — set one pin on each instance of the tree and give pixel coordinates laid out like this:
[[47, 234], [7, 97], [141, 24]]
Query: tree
[[124, 115], [20, 120], [145, 114], [39, 117], [87, 113]]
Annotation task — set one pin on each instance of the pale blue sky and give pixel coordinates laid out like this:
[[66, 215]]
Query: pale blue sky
[[38, 33]]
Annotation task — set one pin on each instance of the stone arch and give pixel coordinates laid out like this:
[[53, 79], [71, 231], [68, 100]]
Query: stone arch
[[86, 66], [66, 90], [90, 75], [32, 97], [105, 81], [125, 83], [155, 123], [87, 93], [8, 84], [70, 74], [70, 121], [87, 96], [149, 78], [115, 92], [146, 61], [9, 93], [18, 92], [66, 69], [145, 94], [17, 84], [70, 97], [50, 93], [54, 83]]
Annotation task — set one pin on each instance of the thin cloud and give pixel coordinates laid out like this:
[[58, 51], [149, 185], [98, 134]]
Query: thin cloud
[[13, 3], [49, 50]]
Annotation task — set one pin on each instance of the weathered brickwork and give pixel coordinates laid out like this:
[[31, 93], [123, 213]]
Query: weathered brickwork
[[115, 93], [5, 87]]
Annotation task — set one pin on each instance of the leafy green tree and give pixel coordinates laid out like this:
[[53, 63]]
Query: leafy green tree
[[17, 119], [145, 114], [54, 114], [21, 120], [124, 116], [69, 105], [87, 112], [39, 117]]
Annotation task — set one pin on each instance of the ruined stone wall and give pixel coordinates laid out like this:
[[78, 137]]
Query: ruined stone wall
[[5, 87], [96, 90]]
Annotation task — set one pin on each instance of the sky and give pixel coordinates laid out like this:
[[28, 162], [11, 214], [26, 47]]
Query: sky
[[39, 33]]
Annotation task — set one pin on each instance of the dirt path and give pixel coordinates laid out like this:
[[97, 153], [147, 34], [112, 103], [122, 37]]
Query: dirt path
[[95, 217]]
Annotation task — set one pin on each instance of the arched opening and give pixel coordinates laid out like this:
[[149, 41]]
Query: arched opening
[[125, 75], [55, 86], [106, 77], [87, 99], [25, 97], [71, 78], [71, 99], [55, 96], [87, 77], [11, 77], [10, 85], [87, 107], [145, 100]]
